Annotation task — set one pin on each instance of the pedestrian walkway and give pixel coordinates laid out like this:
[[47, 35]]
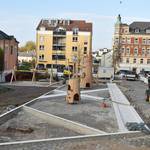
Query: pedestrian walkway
[[124, 111]]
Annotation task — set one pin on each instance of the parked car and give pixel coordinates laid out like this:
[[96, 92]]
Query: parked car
[[131, 75], [121, 74]]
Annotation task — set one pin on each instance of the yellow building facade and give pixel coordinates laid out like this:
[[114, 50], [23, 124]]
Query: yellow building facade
[[60, 42]]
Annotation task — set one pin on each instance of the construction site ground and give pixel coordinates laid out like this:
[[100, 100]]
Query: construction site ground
[[14, 95], [25, 125], [93, 143], [135, 92]]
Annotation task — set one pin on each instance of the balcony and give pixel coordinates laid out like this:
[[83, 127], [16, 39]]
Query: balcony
[[58, 52], [59, 33], [59, 44], [59, 48]]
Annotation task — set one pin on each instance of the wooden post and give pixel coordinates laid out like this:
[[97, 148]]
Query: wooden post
[[68, 68], [51, 75], [33, 76], [13, 76]]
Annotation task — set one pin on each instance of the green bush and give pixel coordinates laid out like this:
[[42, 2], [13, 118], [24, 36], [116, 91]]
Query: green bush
[[25, 66]]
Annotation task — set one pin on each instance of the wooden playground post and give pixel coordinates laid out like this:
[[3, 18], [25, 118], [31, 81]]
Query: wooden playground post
[[13, 76], [51, 75], [33, 76]]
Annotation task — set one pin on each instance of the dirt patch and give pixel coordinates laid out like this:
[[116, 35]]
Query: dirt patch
[[14, 96]]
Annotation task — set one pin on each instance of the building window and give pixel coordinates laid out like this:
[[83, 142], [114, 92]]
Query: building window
[[147, 30], [11, 50], [127, 60], [41, 39], [75, 31], [148, 52], [148, 41], [136, 40], [41, 57], [128, 51], [75, 39], [123, 50], [141, 61], [85, 50], [128, 40], [143, 51], [148, 61], [137, 30], [123, 41], [135, 51], [116, 40], [85, 43], [58, 57], [144, 41], [41, 47], [134, 61], [74, 48]]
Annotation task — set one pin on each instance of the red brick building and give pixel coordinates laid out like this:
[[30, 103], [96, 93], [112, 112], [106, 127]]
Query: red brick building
[[10, 47], [133, 44]]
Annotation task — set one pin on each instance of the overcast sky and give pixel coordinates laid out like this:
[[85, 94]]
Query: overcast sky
[[21, 17]]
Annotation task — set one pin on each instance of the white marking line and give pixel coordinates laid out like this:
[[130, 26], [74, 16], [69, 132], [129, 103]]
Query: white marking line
[[96, 98], [53, 119], [19, 107], [96, 90], [68, 138], [53, 95], [59, 91], [124, 113], [53, 90], [54, 84]]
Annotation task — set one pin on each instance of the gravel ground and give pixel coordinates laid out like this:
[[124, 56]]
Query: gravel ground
[[24, 126], [135, 92], [87, 112], [88, 144]]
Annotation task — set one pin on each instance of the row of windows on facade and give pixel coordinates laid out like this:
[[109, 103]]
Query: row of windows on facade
[[128, 41], [135, 61], [54, 57], [74, 48], [74, 39], [137, 30], [136, 51], [12, 49], [75, 31]]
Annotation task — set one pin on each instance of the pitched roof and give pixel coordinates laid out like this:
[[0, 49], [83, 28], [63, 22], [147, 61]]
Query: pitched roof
[[4, 36], [27, 54], [80, 24], [140, 25]]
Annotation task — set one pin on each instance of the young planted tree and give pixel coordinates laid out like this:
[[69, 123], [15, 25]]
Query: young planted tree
[[29, 46]]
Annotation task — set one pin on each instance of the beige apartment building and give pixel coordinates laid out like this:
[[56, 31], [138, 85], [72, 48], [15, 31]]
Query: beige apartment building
[[60, 42]]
